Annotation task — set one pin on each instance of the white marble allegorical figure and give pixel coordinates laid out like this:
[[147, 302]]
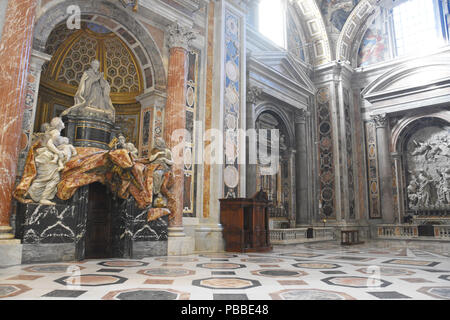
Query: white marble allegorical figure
[[44, 185]]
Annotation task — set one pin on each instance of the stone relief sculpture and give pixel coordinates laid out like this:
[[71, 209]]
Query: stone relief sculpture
[[428, 176], [92, 97]]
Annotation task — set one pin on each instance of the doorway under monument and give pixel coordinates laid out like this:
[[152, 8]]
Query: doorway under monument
[[99, 235]]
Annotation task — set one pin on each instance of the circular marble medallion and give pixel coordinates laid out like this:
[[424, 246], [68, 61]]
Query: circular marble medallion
[[231, 177], [323, 95], [230, 120], [231, 70], [231, 95], [187, 155], [232, 28], [190, 97]]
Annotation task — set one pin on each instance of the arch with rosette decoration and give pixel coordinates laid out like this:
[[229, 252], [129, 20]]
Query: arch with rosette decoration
[[314, 31], [354, 29], [115, 18]]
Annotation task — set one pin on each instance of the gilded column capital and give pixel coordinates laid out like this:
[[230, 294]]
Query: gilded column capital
[[180, 37], [381, 120]]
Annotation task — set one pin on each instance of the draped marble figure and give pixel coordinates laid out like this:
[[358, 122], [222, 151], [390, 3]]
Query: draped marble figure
[[48, 167], [92, 97]]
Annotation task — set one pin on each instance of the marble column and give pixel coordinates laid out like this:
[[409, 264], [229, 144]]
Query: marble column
[[15, 49], [37, 60], [396, 157], [253, 95], [292, 215], [301, 168], [384, 167], [175, 119]]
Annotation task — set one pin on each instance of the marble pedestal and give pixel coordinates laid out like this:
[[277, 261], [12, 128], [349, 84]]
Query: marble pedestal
[[209, 238], [10, 252], [136, 237], [180, 245], [89, 131]]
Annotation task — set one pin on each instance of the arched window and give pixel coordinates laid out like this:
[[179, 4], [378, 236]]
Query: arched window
[[272, 20], [418, 26]]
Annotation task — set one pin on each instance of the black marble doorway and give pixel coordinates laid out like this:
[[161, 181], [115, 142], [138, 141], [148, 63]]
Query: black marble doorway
[[98, 241]]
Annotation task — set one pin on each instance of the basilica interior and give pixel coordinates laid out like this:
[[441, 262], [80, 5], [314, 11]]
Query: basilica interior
[[135, 133]]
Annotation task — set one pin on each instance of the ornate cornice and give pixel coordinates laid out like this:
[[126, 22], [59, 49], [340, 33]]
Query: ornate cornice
[[180, 37], [380, 120]]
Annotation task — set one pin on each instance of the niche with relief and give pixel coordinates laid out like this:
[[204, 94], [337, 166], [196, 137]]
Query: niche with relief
[[426, 160]]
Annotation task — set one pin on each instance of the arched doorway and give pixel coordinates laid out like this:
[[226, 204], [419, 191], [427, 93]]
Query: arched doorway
[[279, 186]]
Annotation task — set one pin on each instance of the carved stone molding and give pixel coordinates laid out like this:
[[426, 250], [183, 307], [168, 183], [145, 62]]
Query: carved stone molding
[[254, 94], [381, 120], [180, 37]]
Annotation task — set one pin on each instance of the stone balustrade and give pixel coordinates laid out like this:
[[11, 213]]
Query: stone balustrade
[[442, 232], [393, 231], [299, 235]]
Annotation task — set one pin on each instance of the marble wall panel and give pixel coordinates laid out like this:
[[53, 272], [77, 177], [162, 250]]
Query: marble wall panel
[[232, 101], [372, 171], [326, 156]]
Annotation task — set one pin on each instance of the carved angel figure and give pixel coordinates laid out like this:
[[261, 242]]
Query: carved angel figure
[[422, 148]]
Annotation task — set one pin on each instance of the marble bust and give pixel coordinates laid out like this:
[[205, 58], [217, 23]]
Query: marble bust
[[93, 96]]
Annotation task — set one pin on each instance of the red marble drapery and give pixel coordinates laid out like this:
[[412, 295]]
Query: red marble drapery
[[15, 49], [175, 119]]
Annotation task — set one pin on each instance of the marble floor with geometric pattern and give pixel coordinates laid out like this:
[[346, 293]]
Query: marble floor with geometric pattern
[[381, 270]]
